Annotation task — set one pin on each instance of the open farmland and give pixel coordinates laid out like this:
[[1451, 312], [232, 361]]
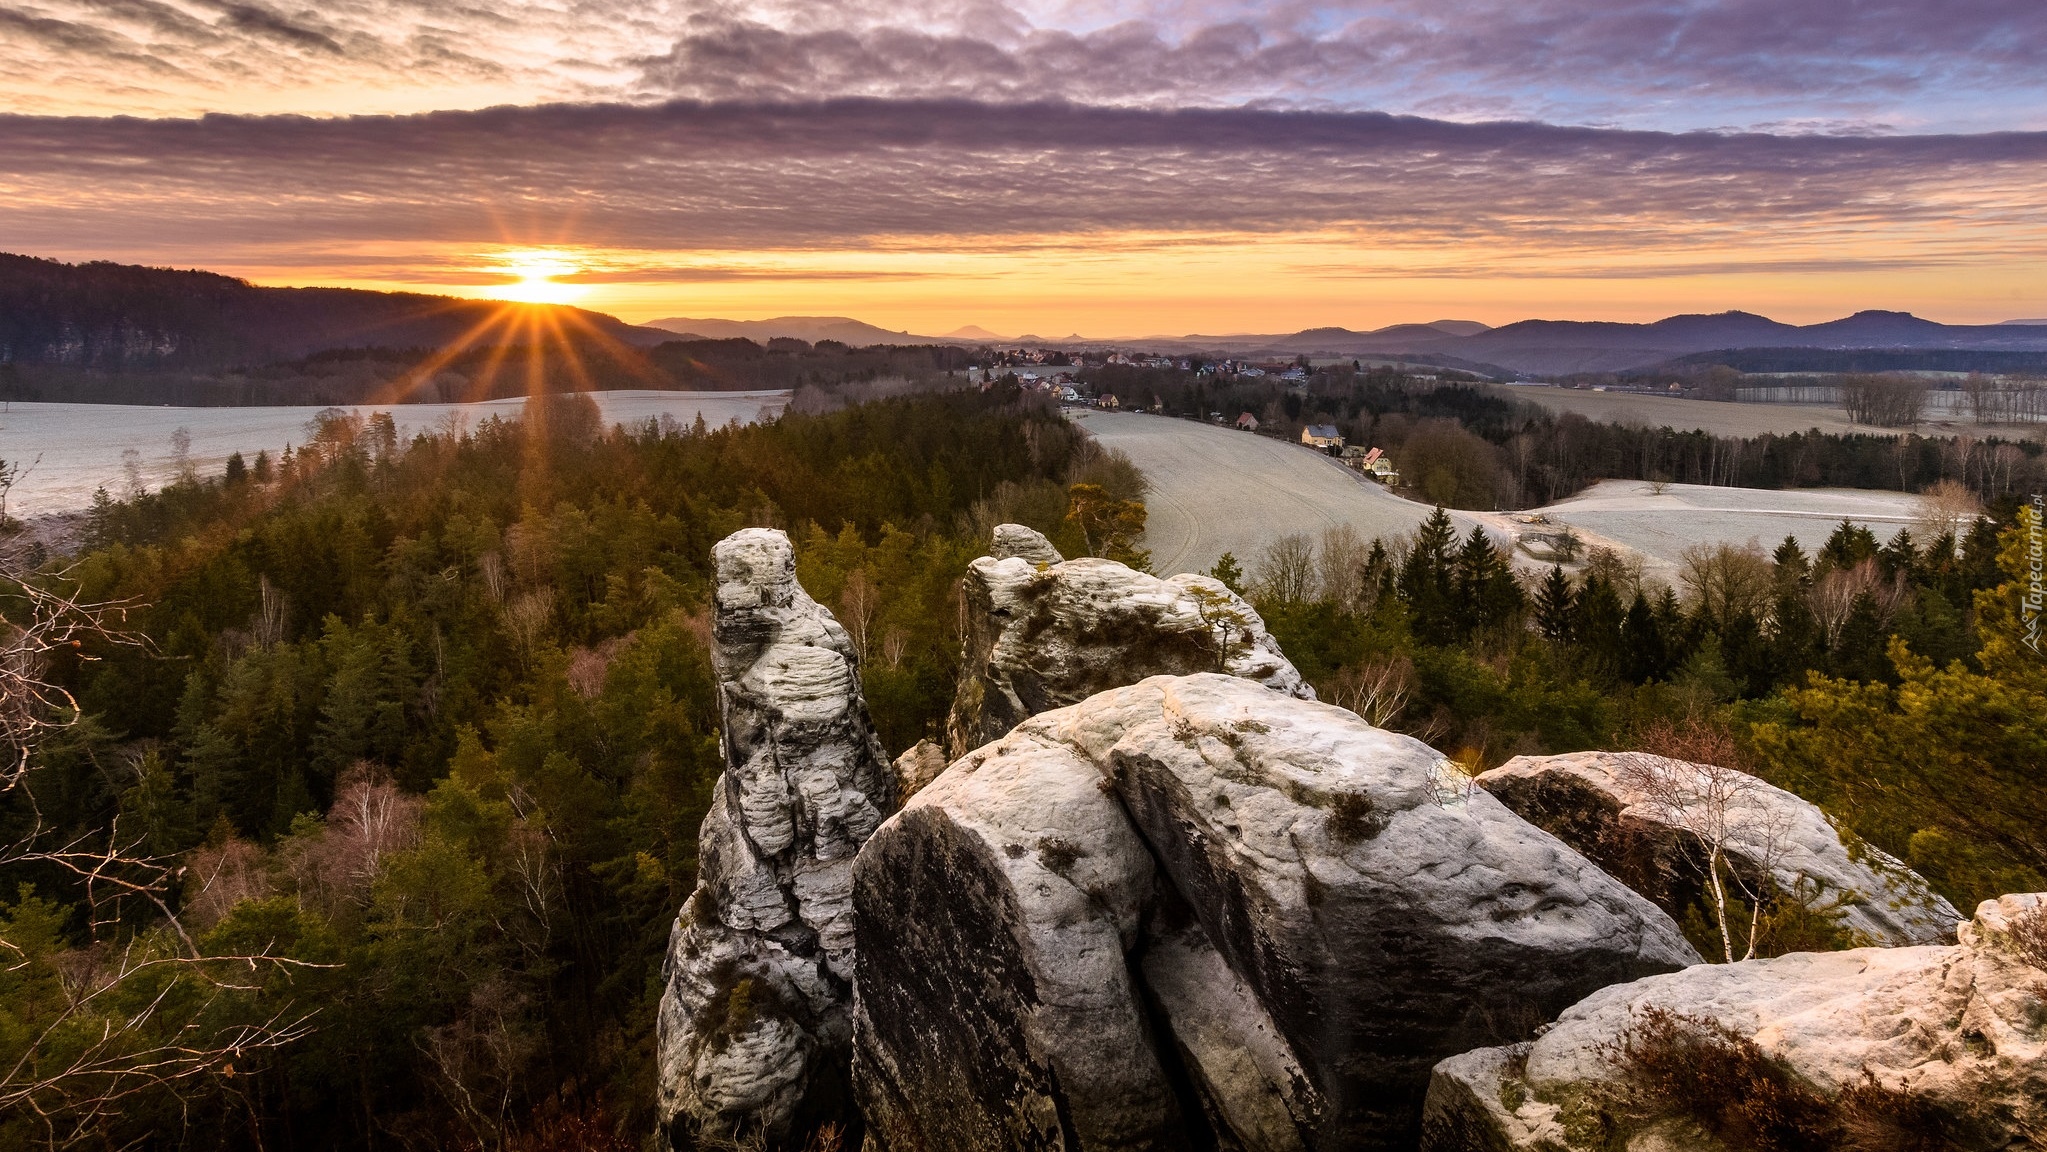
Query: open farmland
[[1661, 526], [1217, 490], [1722, 418], [68, 450]]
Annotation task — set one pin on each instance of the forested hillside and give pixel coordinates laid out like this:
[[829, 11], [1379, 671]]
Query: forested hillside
[[120, 334], [424, 731], [122, 317]]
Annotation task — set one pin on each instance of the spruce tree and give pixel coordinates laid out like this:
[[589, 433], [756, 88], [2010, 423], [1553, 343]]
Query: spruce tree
[[1644, 652], [1487, 593], [1850, 545], [1427, 581], [1553, 599], [1596, 624], [1792, 566]]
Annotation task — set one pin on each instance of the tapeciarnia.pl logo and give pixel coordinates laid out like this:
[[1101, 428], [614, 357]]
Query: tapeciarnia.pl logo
[[2035, 602]]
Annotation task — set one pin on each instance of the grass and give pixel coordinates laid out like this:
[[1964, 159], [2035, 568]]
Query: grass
[[1673, 1065]]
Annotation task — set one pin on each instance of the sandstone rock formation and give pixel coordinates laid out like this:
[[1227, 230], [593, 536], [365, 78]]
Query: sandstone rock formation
[[1023, 543], [1891, 1044], [1045, 633], [1197, 912], [753, 1024], [1597, 803]]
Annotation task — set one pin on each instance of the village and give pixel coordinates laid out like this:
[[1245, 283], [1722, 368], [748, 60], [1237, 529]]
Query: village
[[1065, 378]]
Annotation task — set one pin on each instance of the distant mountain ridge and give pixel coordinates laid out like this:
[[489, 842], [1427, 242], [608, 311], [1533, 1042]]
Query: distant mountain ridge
[[1565, 346], [108, 317], [810, 329], [127, 318]]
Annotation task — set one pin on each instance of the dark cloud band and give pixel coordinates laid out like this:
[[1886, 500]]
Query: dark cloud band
[[947, 173]]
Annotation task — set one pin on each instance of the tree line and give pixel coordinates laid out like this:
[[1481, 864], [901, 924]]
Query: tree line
[[1467, 446]]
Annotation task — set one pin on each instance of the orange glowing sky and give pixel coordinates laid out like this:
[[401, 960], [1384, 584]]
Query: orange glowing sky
[[1105, 167]]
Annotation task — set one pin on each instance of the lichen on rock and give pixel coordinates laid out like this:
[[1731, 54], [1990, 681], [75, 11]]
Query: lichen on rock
[[1194, 910], [753, 1024]]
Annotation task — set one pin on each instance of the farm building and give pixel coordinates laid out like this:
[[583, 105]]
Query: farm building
[[1323, 436], [1247, 423]]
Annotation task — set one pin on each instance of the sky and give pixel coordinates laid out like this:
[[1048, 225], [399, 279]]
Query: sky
[[1102, 167]]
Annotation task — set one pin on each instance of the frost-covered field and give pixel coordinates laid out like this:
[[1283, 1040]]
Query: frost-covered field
[[71, 449], [1217, 490], [1721, 418], [1662, 525]]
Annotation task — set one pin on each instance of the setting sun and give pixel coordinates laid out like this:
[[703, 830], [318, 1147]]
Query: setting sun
[[539, 278]]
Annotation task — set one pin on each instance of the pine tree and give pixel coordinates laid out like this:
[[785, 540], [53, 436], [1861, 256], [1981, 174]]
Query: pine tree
[[1553, 600], [1229, 572], [1427, 581], [1644, 653], [1596, 624], [1792, 566]]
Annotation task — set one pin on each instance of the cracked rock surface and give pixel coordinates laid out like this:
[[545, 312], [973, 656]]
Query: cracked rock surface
[[753, 1026], [1196, 911], [1043, 633]]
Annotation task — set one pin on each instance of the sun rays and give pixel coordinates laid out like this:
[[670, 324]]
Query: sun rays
[[544, 348], [539, 277]]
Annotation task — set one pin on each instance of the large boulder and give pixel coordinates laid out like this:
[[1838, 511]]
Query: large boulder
[[1196, 911], [1872, 1048], [1043, 633], [1024, 543], [754, 1027], [1636, 814]]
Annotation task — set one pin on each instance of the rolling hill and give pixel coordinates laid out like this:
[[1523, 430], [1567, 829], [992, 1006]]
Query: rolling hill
[[810, 329], [129, 319]]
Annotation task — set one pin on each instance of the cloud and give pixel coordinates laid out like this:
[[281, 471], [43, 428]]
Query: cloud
[[952, 176], [1661, 64]]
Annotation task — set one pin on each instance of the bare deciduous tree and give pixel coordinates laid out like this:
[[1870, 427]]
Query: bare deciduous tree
[[858, 602], [133, 1011], [1834, 595], [1726, 581], [1715, 808], [1376, 690], [1342, 566], [529, 617], [1888, 401], [1286, 574], [1947, 508]]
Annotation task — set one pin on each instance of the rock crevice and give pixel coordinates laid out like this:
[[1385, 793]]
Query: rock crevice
[[1198, 911]]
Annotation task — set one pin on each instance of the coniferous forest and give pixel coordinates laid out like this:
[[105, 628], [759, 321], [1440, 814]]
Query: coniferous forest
[[361, 816], [424, 731]]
